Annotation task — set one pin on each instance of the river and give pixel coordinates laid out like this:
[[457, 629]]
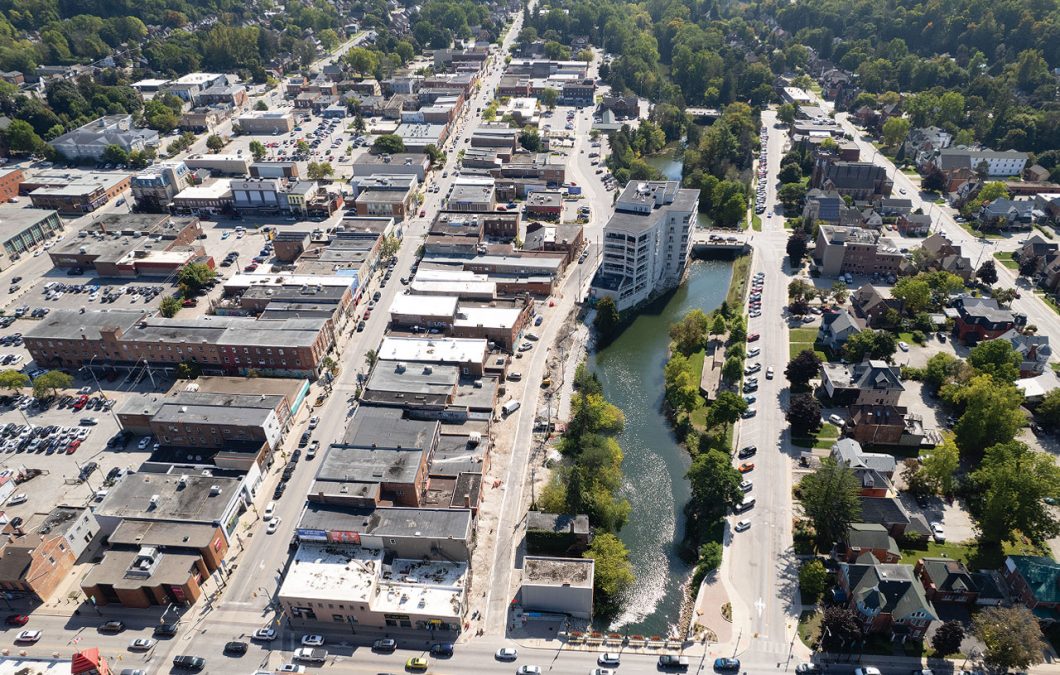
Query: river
[[670, 163], [631, 371]]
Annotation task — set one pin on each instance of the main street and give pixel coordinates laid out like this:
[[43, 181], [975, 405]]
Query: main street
[[759, 569]]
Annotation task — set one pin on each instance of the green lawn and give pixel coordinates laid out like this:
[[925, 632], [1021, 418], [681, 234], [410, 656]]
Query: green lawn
[[972, 553], [810, 627], [823, 440], [801, 339], [970, 228], [1046, 231], [741, 271], [756, 223], [1048, 299], [1005, 259]]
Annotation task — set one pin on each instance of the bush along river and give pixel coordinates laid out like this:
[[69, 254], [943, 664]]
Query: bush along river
[[631, 371]]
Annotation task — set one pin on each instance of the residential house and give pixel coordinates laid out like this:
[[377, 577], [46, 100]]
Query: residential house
[[870, 382], [889, 512], [873, 470], [872, 539], [1035, 581], [887, 425], [836, 328], [914, 224], [939, 253], [90, 140], [1007, 214], [888, 599], [979, 319], [921, 144], [993, 163], [871, 307], [1035, 246], [1034, 351], [946, 580]]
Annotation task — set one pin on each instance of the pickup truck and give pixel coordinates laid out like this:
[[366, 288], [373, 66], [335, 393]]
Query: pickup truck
[[673, 662], [311, 654]]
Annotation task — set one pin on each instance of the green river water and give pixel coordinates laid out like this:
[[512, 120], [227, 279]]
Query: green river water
[[631, 370]]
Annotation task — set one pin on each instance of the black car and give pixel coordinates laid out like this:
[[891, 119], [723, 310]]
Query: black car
[[442, 649], [112, 627], [749, 451], [304, 440], [236, 647], [87, 471], [189, 662], [166, 630], [278, 492]]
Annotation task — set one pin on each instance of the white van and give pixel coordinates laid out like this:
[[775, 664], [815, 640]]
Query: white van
[[510, 407], [746, 504], [269, 509]]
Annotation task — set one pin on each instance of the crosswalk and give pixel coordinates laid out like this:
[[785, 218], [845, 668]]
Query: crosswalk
[[762, 646]]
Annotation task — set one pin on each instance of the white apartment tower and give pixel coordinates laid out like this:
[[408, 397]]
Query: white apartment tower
[[647, 241]]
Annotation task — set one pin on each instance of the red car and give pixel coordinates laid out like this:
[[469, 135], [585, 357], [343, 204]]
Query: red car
[[74, 445], [753, 336], [81, 402], [17, 620], [746, 467]]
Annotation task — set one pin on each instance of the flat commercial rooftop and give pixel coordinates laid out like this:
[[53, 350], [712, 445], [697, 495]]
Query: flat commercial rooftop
[[153, 496], [374, 427], [433, 350], [558, 572], [424, 305], [325, 572], [388, 522], [370, 465]]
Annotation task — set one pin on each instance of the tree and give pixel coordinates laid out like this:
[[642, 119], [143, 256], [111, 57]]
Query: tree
[[389, 248], [941, 368], [1012, 483], [803, 368], [800, 293], [257, 150], [214, 142], [612, 572], [12, 380], [732, 369], [804, 414], [548, 98], [939, 466], [839, 292], [813, 579], [169, 306], [1028, 264], [607, 320], [530, 139], [302, 147], [1004, 296], [50, 383], [727, 408], [991, 412], [870, 344], [718, 325], [914, 292], [948, 638], [715, 485], [987, 273], [1012, 636], [390, 144], [996, 358], [792, 196], [114, 154], [1048, 411], [436, 156], [840, 628], [786, 113], [370, 357], [690, 332], [829, 497], [796, 249], [895, 129], [319, 170], [194, 276], [261, 105], [22, 139]]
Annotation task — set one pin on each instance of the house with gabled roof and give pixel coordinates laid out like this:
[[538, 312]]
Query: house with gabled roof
[[887, 597], [871, 382], [946, 580], [872, 469], [1034, 351], [836, 328], [869, 538], [870, 305]]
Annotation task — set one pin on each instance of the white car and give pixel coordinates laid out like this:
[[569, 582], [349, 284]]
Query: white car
[[836, 420], [938, 533], [28, 636], [867, 670], [507, 654], [769, 373], [529, 670], [274, 525], [290, 668], [20, 498], [141, 644], [743, 526], [608, 659], [603, 671], [312, 640], [314, 421], [904, 346], [265, 634]]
